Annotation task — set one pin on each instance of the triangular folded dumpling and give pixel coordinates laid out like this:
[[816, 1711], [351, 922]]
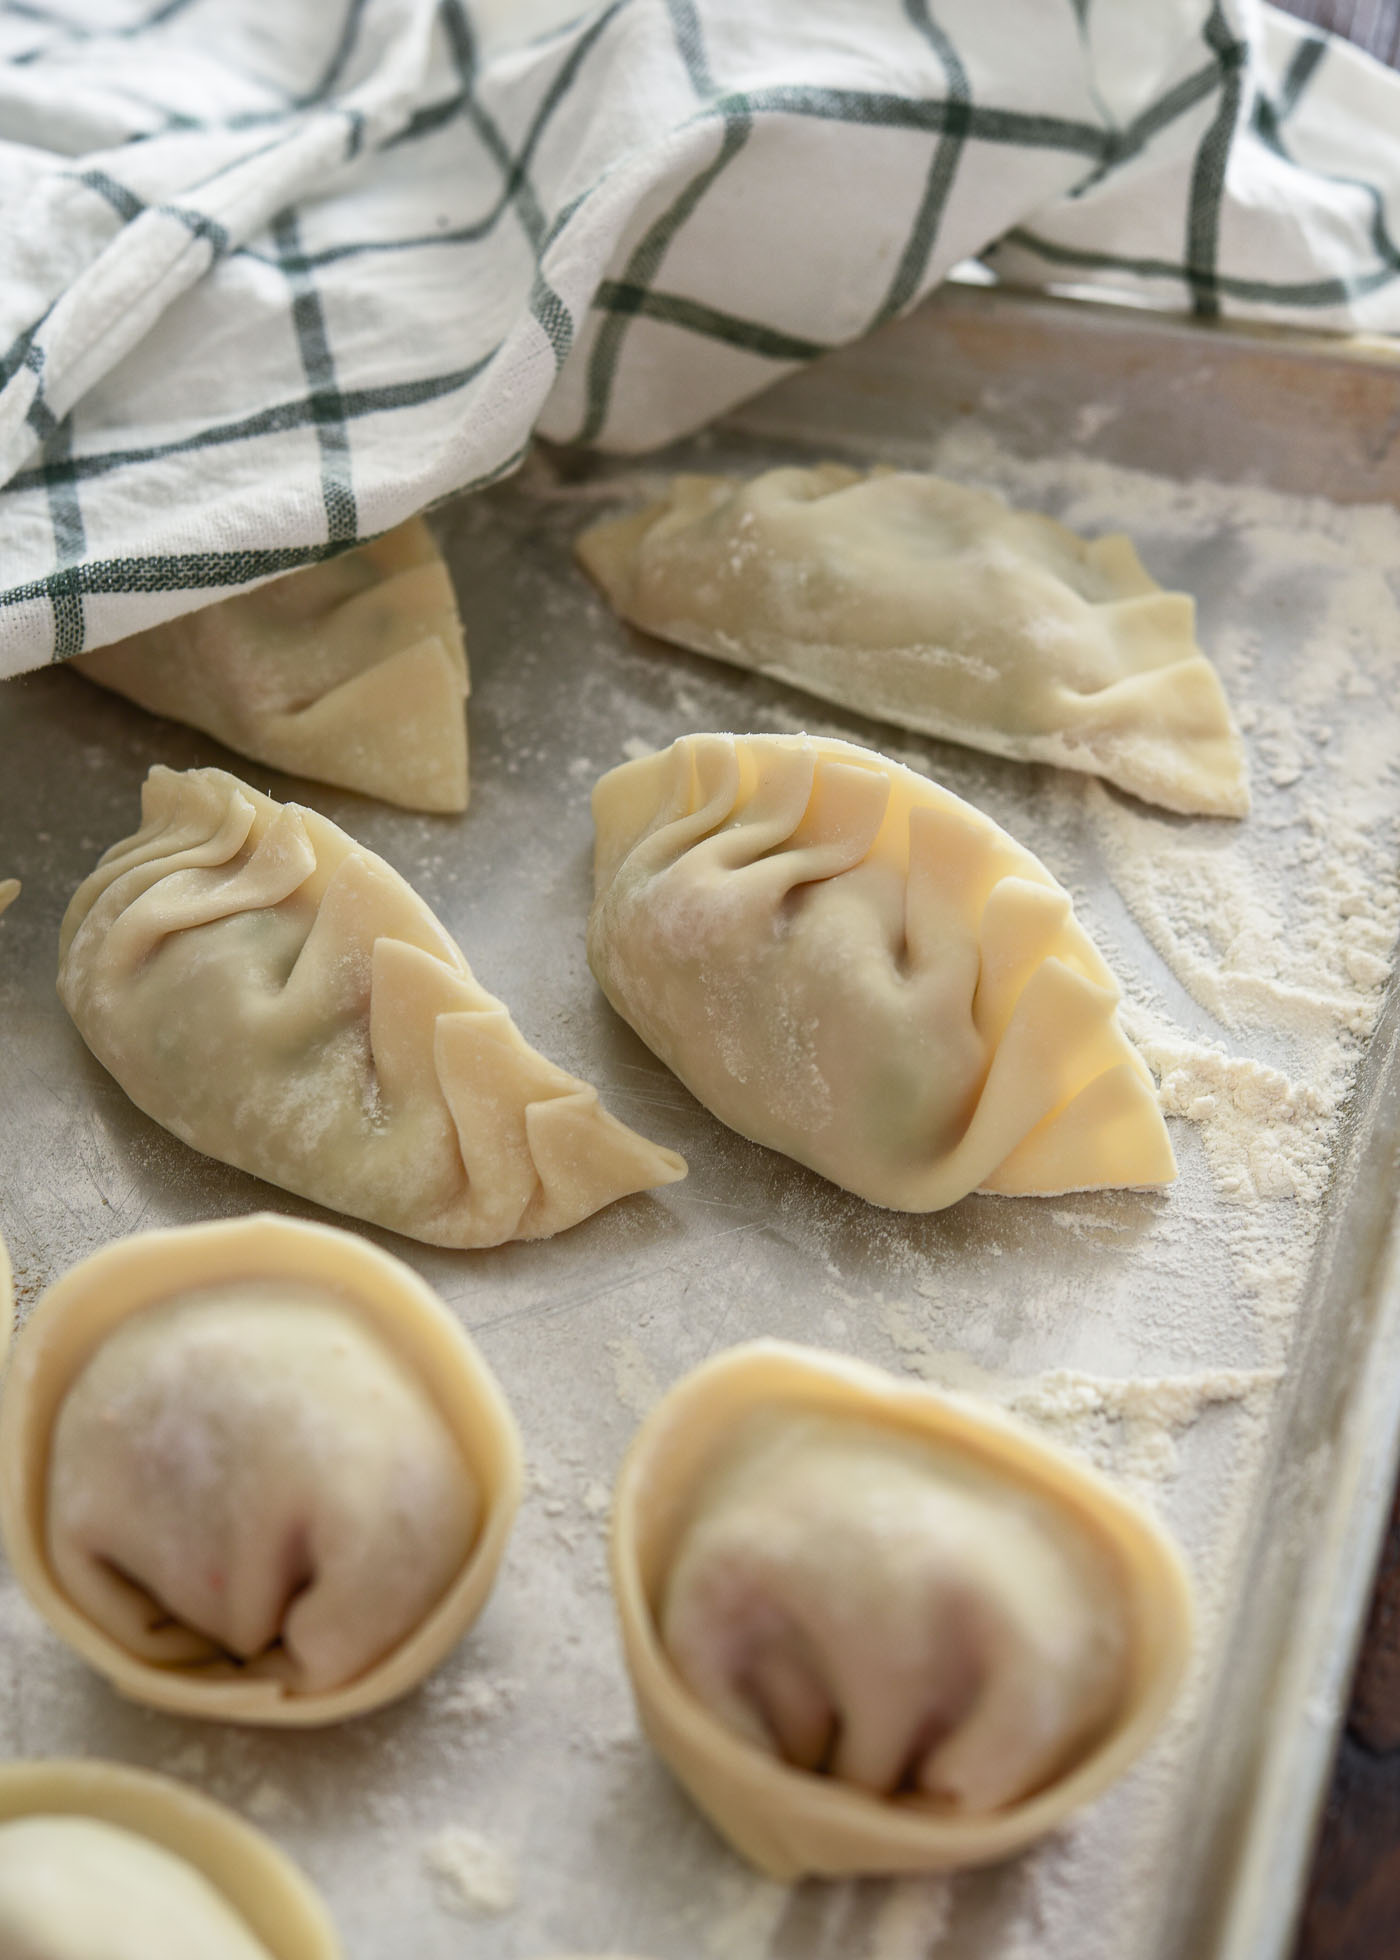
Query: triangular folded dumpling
[[281, 999], [849, 964], [353, 672], [924, 603]]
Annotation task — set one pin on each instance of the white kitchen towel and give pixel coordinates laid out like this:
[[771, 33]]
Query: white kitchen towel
[[279, 273]]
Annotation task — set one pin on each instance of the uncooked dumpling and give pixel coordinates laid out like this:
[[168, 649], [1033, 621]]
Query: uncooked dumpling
[[102, 1862], [353, 672], [280, 998], [1001, 1632], [872, 1628], [928, 604], [849, 964], [255, 1470], [75, 1889]]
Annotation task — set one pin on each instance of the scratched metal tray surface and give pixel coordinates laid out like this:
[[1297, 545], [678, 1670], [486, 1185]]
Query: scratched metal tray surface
[[1231, 1346]]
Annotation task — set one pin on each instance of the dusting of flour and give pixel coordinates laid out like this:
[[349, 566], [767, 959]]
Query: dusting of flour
[[473, 1873], [1147, 1332], [1254, 957]]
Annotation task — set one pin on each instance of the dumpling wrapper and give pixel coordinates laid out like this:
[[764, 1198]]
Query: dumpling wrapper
[[352, 672], [254, 1470], [874, 1628], [849, 964], [281, 999], [937, 607], [892, 1614], [75, 1889], [246, 1470], [102, 1862]]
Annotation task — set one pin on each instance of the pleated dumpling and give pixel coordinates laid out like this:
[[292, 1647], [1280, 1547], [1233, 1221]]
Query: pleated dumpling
[[254, 1471], [873, 1628], [937, 607], [282, 1000], [102, 1862], [352, 672], [849, 964]]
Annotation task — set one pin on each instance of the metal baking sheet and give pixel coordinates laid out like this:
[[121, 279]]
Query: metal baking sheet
[[1230, 1347]]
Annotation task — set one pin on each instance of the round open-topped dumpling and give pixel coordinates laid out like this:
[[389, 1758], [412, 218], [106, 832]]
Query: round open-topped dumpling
[[100, 1862], [872, 1628], [254, 1470]]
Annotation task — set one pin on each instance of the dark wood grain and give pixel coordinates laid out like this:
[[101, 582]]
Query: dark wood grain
[[1353, 1905]]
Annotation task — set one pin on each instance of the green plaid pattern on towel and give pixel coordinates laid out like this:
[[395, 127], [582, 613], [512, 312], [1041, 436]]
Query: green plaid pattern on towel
[[283, 272]]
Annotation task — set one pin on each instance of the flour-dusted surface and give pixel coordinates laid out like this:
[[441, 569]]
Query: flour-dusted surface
[[510, 1808]]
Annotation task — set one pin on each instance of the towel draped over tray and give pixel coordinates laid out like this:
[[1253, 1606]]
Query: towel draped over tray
[[280, 273]]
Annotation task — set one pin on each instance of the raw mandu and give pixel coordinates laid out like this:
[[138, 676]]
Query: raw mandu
[[282, 1000], [875, 1628], [988, 1652], [937, 607], [254, 1470], [353, 672], [248, 1470], [255, 1885], [847, 963], [74, 1888]]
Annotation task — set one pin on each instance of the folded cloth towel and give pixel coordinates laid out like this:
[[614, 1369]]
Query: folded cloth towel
[[283, 272]]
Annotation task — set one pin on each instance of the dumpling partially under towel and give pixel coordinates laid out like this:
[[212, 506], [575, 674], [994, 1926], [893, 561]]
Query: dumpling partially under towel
[[352, 672], [280, 998], [937, 607]]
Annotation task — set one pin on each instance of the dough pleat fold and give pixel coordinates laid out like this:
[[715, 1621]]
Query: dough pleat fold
[[283, 1000]]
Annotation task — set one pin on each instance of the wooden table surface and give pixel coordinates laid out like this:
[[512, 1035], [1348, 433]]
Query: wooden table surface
[[1353, 1904], [1352, 1911]]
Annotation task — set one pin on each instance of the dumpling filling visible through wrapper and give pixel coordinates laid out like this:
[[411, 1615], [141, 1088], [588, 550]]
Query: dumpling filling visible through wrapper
[[873, 1628], [254, 1471]]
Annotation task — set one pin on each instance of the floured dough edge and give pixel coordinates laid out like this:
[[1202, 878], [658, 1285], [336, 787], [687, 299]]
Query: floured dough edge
[[416, 695], [581, 1156], [257, 1880], [790, 1823], [91, 1300]]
